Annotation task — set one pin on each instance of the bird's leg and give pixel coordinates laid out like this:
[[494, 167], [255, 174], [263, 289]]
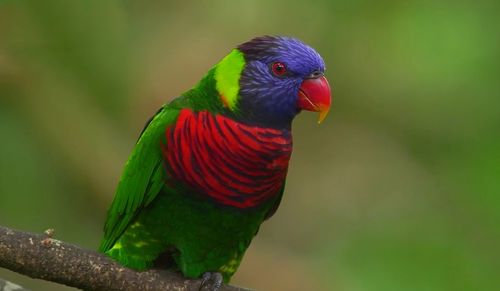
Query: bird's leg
[[215, 277]]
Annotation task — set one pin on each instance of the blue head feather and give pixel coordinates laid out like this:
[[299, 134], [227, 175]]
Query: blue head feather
[[267, 99]]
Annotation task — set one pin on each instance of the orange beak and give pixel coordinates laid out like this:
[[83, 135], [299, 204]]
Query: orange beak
[[315, 95]]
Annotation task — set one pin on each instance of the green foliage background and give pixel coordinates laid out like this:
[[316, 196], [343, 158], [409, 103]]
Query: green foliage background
[[398, 190]]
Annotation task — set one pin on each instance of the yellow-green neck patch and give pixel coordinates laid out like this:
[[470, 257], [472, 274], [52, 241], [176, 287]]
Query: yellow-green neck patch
[[227, 78]]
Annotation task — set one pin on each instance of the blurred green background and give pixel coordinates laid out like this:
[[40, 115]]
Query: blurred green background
[[398, 190]]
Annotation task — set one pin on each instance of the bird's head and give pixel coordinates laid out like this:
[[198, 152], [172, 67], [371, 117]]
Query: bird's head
[[269, 80]]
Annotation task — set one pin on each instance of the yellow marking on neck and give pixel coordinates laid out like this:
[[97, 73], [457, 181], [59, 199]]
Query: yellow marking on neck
[[227, 78]]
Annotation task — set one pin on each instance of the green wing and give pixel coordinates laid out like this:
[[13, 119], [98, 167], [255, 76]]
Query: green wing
[[142, 177]]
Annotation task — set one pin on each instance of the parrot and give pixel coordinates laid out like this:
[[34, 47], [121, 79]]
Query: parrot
[[210, 166]]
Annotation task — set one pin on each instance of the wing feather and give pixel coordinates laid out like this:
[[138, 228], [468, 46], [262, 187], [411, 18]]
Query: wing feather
[[142, 178]]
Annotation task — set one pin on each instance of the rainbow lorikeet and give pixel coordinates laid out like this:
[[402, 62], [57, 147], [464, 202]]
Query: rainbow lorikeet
[[210, 166]]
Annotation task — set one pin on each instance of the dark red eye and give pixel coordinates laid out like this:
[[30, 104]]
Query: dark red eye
[[278, 68]]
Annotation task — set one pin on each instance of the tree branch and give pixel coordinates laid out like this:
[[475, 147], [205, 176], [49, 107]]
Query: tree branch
[[42, 257]]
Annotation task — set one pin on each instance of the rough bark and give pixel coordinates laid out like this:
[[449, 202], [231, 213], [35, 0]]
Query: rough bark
[[42, 257]]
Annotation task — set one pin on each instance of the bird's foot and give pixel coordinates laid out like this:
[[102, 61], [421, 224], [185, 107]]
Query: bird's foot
[[215, 278]]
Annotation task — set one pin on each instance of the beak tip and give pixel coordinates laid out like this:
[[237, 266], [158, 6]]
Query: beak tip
[[322, 116]]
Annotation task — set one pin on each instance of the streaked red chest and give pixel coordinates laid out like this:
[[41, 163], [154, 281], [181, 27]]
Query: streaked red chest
[[234, 163]]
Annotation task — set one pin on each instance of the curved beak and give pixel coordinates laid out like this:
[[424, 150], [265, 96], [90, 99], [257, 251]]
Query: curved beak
[[315, 95]]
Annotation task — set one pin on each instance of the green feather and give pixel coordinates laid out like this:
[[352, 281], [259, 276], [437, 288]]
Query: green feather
[[227, 77], [142, 178]]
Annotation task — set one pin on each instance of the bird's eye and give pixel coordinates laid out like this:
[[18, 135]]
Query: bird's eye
[[278, 68]]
